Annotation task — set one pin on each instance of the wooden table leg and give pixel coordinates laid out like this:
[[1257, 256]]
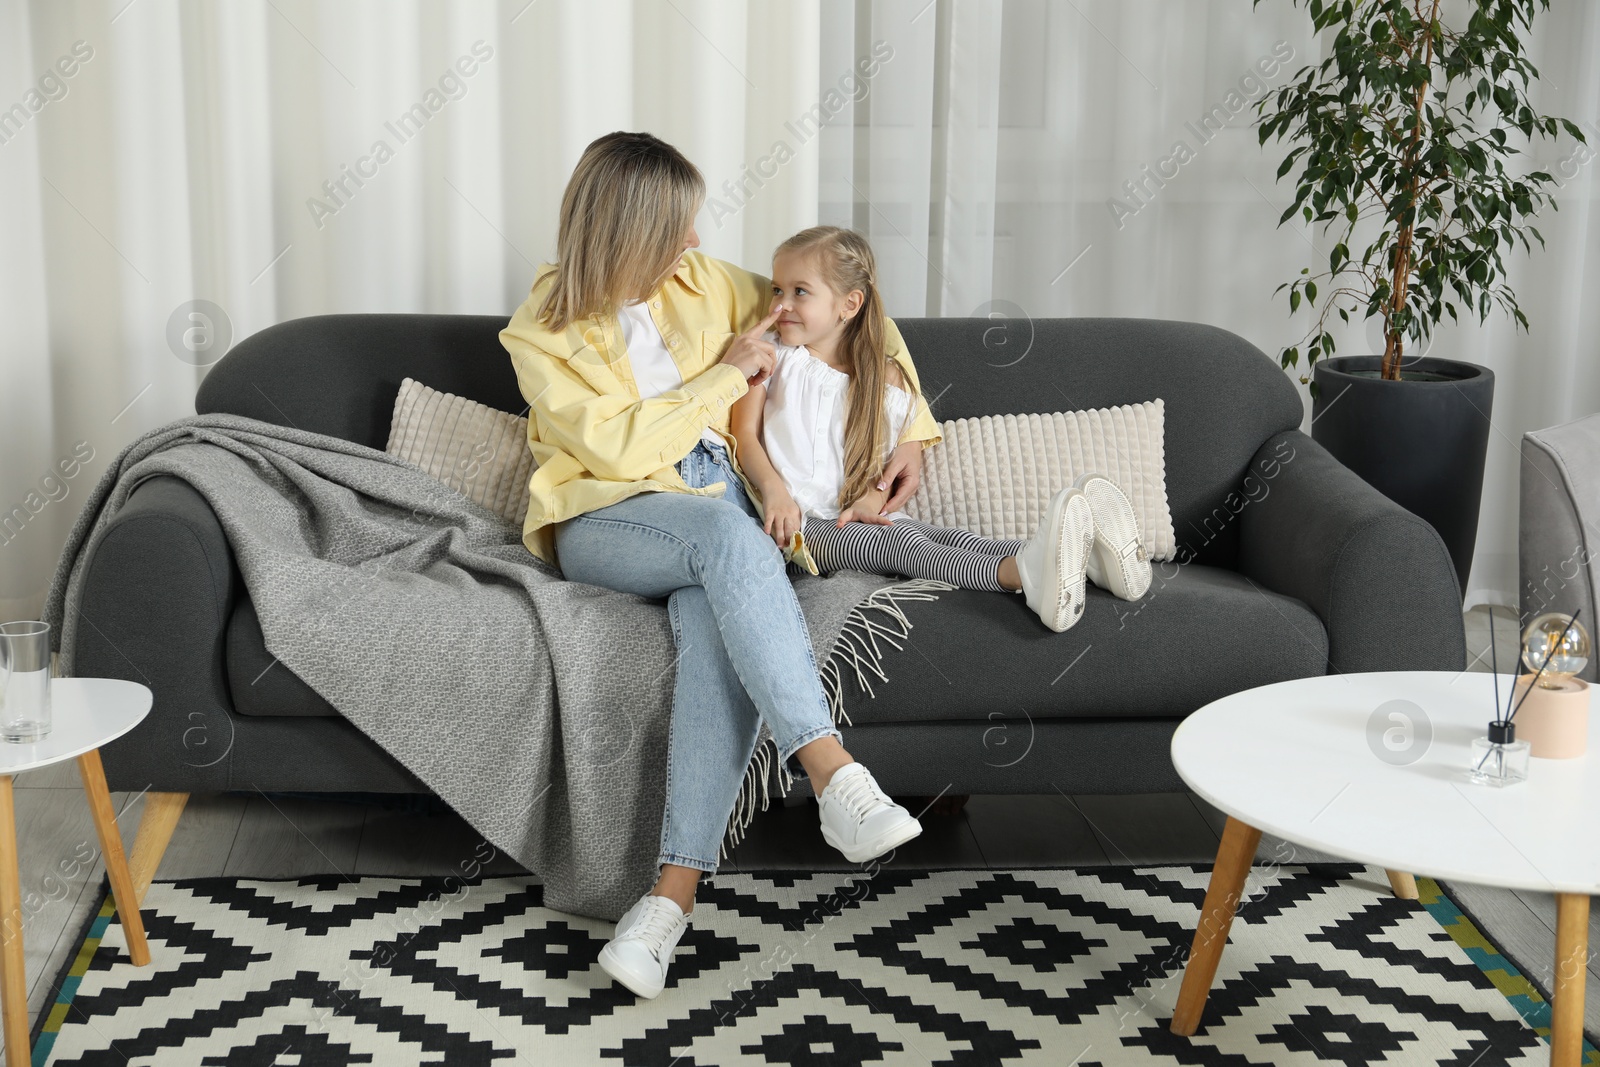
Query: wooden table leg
[[1572, 963], [1404, 885], [1228, 874], [13, 968], [105, 824]]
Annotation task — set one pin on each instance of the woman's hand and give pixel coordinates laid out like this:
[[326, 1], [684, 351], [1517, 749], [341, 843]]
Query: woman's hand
[[753, 356], [902, 474], [863, 510], [867, 508], [782, 517]]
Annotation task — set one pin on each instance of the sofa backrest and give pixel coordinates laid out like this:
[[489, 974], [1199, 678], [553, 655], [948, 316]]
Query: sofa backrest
[[1223, 397]]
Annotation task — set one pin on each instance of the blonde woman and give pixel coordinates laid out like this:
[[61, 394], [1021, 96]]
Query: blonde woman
[[631, 350]]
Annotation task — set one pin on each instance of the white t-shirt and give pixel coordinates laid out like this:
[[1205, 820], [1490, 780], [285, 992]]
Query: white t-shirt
[[654, 370], [802, 427]]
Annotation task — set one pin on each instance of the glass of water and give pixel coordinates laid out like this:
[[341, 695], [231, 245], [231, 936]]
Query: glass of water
[[24, 681]]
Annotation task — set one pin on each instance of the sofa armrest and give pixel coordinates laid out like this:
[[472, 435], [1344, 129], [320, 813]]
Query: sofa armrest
[[1379, 577], [154, 602]]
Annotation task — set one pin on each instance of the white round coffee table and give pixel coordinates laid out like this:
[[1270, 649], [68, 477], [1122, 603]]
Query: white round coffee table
[[1372, 767], [85, 714]]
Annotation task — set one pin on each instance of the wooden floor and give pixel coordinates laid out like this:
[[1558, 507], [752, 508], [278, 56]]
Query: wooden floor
[[276, 837]]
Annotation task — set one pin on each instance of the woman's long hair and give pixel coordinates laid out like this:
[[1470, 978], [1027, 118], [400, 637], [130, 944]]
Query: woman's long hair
[[630, 200], [846, 262]]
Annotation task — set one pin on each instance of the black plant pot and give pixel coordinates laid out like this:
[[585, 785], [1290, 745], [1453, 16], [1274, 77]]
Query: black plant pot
[[1419, 441]]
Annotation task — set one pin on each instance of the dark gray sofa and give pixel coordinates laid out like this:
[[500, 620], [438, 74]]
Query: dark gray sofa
[[1289, 565]]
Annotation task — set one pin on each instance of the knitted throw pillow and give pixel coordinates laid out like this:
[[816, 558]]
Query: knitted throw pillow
[[994, 475], [479, 451]]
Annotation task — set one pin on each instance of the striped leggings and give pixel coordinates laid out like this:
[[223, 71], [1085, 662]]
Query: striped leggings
[[910, 548]]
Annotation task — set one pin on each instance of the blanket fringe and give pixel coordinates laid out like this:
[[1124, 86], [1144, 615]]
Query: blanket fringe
[[856, 648]]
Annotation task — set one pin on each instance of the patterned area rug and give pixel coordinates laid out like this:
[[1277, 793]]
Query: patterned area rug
[[1055, 967]]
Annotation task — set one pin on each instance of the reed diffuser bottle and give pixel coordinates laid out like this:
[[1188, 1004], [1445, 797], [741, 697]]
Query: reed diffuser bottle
[[1498, 758]]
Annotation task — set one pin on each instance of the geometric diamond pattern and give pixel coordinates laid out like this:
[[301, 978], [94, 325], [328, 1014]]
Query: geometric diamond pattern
[[1081, 967]]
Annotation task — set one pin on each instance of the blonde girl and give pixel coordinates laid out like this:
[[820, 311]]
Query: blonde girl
[[814, 439]]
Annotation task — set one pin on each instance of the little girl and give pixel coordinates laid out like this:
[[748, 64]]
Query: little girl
[[815, 436]]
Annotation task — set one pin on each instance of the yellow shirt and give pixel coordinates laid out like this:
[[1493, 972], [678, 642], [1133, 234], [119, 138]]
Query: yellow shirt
[[594, 439]]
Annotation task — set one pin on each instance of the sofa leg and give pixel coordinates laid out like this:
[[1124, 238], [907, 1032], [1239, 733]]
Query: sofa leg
[[1403, 884], [160, 818]]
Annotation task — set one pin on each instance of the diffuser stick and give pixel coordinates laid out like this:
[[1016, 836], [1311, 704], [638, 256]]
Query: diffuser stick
[[1494, 667]]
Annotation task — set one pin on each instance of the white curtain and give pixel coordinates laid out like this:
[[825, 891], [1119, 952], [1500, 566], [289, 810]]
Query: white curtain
[[229, 152], [1002, 163]]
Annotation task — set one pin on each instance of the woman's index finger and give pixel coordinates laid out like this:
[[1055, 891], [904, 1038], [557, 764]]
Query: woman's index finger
[[772, 316]]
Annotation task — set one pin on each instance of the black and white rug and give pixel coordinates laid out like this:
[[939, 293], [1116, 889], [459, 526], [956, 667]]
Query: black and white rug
[[1054, 967]]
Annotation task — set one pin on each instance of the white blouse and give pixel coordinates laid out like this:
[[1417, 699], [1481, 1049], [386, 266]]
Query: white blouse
[[802, 427], [654, 370]]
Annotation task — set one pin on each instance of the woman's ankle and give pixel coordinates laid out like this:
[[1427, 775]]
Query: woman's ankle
[[677, 884], [821, 758]]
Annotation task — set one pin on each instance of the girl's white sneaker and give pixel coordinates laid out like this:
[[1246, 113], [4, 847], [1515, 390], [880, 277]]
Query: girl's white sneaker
[[1118, 562], [640, 952], [1052, 564]]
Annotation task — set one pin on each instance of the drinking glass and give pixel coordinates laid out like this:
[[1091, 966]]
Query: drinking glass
[[24, 681]]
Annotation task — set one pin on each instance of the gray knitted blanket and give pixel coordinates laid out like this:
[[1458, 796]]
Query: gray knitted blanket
[[535, 707]]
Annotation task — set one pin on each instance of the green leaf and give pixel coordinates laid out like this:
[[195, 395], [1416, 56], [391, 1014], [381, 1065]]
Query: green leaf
[[1347, 122]]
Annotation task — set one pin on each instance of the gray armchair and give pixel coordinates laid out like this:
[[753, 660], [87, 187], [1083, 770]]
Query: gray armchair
[[1559, 523]]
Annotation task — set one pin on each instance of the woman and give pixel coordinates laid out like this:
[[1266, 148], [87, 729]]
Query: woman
[[630, 351]]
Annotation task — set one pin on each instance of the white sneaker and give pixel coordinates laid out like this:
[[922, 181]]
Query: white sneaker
[[641, 950], [1118, 562], [858, 818], [1052, 564]]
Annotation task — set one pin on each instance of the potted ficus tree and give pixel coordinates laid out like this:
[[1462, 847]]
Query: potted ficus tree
[[1400, 138]]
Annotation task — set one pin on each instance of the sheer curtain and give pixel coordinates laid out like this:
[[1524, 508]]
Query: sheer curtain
[[288, 158], [1055, 158]]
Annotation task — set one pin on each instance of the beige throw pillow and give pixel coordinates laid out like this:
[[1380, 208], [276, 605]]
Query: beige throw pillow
[[479, 451], [994, 475]]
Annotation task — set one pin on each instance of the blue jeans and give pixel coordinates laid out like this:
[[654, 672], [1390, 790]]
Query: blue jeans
[[744, 653]]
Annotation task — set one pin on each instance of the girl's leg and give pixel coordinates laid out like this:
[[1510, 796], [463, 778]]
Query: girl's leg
[[954, 535], [903, 547]]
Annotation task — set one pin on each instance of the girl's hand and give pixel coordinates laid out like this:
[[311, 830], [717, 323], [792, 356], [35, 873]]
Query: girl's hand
[[754, 357], [782, 517], [903, 473]]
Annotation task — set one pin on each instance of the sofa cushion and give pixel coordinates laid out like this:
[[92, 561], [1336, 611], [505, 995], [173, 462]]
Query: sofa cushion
[[479, 451], [995, 475], [1200, 633]]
